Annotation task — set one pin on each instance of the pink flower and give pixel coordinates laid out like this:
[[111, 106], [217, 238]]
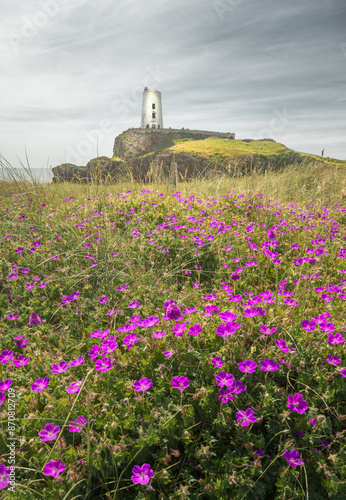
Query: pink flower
[[333, 360], [143, 384], [335, 339], [224, 378], [40, 384], [246, 417], [247, 366], [180, 383], [268, 365], [49, 433], [76, 426], [4, 476], [195, 329], [104, 364], [217, 362], [296, 403], [142, 475], [6, 356], [313, 421], [293, 458], [265, 330], [74, 387], [54, 468], [34, 319]]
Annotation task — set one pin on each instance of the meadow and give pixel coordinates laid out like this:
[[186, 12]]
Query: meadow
[[172, 343]]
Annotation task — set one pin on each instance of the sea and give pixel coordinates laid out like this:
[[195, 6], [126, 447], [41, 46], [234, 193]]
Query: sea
[[40, 175]]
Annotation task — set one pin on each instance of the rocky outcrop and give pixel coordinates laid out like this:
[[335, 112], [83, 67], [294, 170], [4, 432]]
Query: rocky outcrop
[[101, 168], [138, 141]]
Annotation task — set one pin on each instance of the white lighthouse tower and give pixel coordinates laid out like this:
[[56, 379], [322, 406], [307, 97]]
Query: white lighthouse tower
[[151, 109]]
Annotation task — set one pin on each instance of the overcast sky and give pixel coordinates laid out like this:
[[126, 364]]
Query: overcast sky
[[74, 70]]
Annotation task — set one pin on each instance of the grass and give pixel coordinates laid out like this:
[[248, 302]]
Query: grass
[[98, 256]]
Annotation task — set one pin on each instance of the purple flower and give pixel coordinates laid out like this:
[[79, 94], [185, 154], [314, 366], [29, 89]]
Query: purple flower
[[104, 364], [34, 319], [168, 354], [143, 384], [4, 386], [121, 288], [268, 365], [142, 475], [4, 476], [76, 362], [265, 330], [111, 312], [103, 299], [6, 356], [246, 417], [293, 458], [224, 378], [227, 329], [60, 368], [130, 339], [281, 344], [2, 398], [335, 339], [259, 452], [11, 317], [296, 403], [313, 421], [308, 326], [54, 468], [343, 372], [178, 329], [40, 384], [227, 316], [195, 329], [75, 387], [333, 360], [21, 361], [247, 366], [173, 312], [159, 334], [217, 362], [76, 426], [180, 383], [49, 433], [133, 304]]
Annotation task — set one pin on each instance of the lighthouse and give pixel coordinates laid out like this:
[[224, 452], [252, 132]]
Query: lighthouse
[[151, 109]]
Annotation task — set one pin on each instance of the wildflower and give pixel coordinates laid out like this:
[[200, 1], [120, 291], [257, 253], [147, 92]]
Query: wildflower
[[168, 354], [195, 329], [2, 398], [133, 304], [4, 386], [268, 365], [180, 383], [217, 362], [247, 366], [76, 426], [60, 368], [142, 475], [6, 356], [265, 330], [49, 433], [259, 452], [104, 364], [111, 312], [308, 326], [313, 421], [54, 468], [12, 317], [143, 384], [227, 316], [173, 312], [343, 372], [40, 384], [246, 417], [224, 378], [178, 329], [103, 299], [293, 458], [281, 344], [227, 329], [296, 403], [159, 334], [333, 360], [4, 476], [75, 387], [21, 361], [121, 288], [335, 339], [34, 319], [130, 339], [76, 362]]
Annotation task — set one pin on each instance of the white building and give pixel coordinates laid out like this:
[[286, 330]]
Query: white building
[[151, 109]]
